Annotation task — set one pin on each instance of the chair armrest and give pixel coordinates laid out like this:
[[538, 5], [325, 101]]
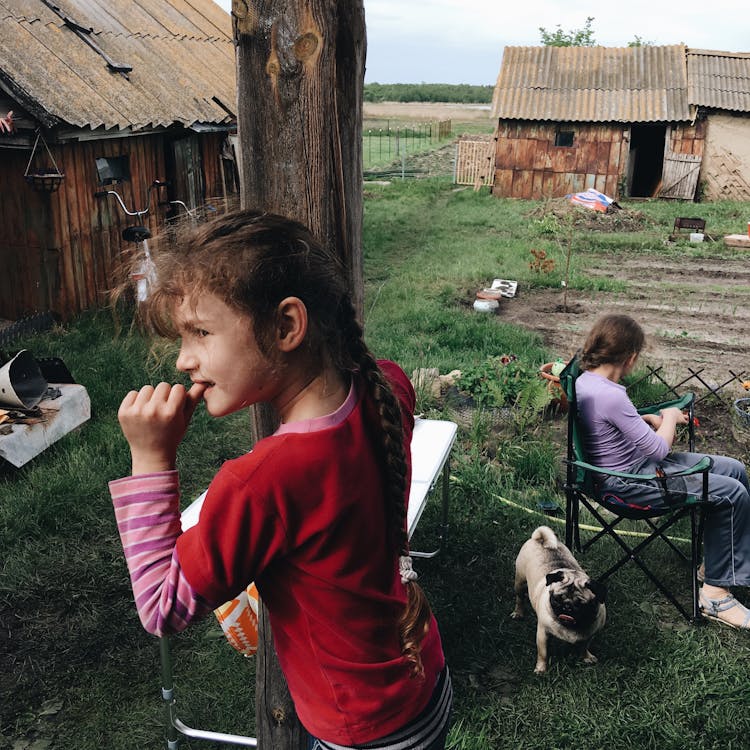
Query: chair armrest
[[703, 465], [678, 403]]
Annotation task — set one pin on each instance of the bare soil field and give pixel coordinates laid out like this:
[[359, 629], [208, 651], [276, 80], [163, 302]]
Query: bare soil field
[[426, 111], [696, 312]]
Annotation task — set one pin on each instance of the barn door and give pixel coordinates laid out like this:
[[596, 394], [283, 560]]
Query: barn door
[[680, 178], [185, 173]]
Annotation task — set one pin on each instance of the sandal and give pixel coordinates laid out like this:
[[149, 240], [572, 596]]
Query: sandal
[[711, 609]]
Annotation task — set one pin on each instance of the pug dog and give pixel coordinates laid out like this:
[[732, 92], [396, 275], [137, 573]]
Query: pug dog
[[568, 604]]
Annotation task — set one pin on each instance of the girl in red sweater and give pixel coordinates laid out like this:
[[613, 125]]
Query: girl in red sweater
[[316, 513]]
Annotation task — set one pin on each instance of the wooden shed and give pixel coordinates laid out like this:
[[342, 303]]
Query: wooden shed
[[629, 122], [107, 96]]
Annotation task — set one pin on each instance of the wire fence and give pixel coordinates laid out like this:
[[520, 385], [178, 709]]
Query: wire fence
[[386, 144]]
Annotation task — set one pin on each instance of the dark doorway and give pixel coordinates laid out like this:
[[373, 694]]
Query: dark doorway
[[646, 159], [185, 172]]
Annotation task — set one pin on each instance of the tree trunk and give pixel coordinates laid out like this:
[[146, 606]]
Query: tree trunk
[[300, 75]]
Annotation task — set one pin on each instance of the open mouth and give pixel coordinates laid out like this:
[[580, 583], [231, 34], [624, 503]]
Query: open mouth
[[566, 619]]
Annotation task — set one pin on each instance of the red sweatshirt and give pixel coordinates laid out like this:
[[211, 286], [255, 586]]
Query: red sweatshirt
[[303, 515]]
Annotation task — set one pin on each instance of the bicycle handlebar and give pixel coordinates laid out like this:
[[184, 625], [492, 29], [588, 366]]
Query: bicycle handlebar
[[143, 212]]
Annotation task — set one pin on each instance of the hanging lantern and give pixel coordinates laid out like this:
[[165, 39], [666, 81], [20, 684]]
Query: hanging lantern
[[48, 178]]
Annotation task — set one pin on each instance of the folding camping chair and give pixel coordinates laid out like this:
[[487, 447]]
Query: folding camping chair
[[581, 489]]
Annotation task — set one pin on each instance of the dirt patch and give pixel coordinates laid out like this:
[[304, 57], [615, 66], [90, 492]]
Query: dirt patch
[[695, 311], [563, 212]]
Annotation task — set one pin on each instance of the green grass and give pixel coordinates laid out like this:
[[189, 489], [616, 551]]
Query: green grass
[[76, 668]]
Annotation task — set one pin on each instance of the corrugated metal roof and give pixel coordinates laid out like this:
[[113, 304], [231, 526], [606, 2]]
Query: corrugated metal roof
[[181, 53], [719, 80], [593, 84]]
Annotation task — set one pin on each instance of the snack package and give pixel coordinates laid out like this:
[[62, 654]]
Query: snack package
[[239, 621]]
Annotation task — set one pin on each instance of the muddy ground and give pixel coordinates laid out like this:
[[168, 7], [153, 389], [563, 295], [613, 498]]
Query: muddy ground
[[696, 312]]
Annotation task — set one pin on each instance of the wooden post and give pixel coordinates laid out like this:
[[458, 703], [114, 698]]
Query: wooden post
[[300, 77]]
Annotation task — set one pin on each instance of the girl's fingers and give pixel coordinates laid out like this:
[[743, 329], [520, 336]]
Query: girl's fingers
[[195, 394]]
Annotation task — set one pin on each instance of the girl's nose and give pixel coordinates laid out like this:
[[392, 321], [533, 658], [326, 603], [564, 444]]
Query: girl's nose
[[185, 360]]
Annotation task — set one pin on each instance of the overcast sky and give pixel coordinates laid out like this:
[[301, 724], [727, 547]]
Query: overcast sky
[[461, 41]]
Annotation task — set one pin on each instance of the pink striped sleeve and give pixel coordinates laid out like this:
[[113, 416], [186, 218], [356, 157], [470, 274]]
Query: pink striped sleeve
[[148, 519]]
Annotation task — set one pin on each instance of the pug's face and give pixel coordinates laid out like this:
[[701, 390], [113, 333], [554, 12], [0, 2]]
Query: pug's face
[[574, 598]]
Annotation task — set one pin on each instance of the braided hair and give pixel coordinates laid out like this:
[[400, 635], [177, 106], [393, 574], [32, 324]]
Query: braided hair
[[415, 620], [253, 260]]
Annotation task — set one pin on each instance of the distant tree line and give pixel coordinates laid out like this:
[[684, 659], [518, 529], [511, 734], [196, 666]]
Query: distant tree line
[[462, 93]]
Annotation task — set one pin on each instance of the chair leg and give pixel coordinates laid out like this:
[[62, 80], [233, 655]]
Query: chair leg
[[668, 541], [697, 516], [572, 531], [632, 554]]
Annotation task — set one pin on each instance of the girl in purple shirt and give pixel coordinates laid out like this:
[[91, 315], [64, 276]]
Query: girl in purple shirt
[[617, 437]]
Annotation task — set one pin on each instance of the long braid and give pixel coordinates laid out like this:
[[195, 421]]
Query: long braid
[[415, 620]]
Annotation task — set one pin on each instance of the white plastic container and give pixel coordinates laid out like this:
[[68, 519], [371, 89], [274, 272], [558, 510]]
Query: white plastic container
[[696, 237], [486, 305]]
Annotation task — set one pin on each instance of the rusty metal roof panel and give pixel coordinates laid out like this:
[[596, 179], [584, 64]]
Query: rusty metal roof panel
[[180, 54], [593, 84], [719, 80]]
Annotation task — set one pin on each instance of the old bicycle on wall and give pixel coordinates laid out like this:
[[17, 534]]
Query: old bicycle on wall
[[143, 276]]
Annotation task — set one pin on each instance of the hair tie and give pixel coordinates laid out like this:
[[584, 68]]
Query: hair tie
[[408, 574]]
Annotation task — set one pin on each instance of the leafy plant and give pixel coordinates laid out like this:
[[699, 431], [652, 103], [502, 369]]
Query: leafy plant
[[547, 224], [541, 263], [498, 381], [531, 400]]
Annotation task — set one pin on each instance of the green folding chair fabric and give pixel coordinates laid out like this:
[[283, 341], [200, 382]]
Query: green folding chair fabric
[[581, 490]]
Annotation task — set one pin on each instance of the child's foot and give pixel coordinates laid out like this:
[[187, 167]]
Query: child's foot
[[719, 605]]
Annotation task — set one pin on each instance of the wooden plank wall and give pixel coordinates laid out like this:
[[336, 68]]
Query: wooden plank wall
[[683, 152], [529, 165], [61, 251], [24, 235], [688, 139], [88, 229], [221, 190]]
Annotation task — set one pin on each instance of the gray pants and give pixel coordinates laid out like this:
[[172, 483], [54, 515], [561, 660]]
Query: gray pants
[[726, 540]]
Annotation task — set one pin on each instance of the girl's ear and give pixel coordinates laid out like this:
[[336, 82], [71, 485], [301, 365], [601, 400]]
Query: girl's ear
[[629, 364], [291, 316]]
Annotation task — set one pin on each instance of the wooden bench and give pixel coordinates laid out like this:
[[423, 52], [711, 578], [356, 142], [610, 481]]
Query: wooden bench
[[430, 458]]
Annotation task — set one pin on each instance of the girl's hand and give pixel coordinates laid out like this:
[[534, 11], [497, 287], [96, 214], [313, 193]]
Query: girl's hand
[[154, 422], [673, 413], [654, 420], [670, 418]]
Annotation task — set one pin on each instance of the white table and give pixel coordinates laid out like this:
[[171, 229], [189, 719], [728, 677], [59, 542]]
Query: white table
[[430, 458], [430, 452]]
